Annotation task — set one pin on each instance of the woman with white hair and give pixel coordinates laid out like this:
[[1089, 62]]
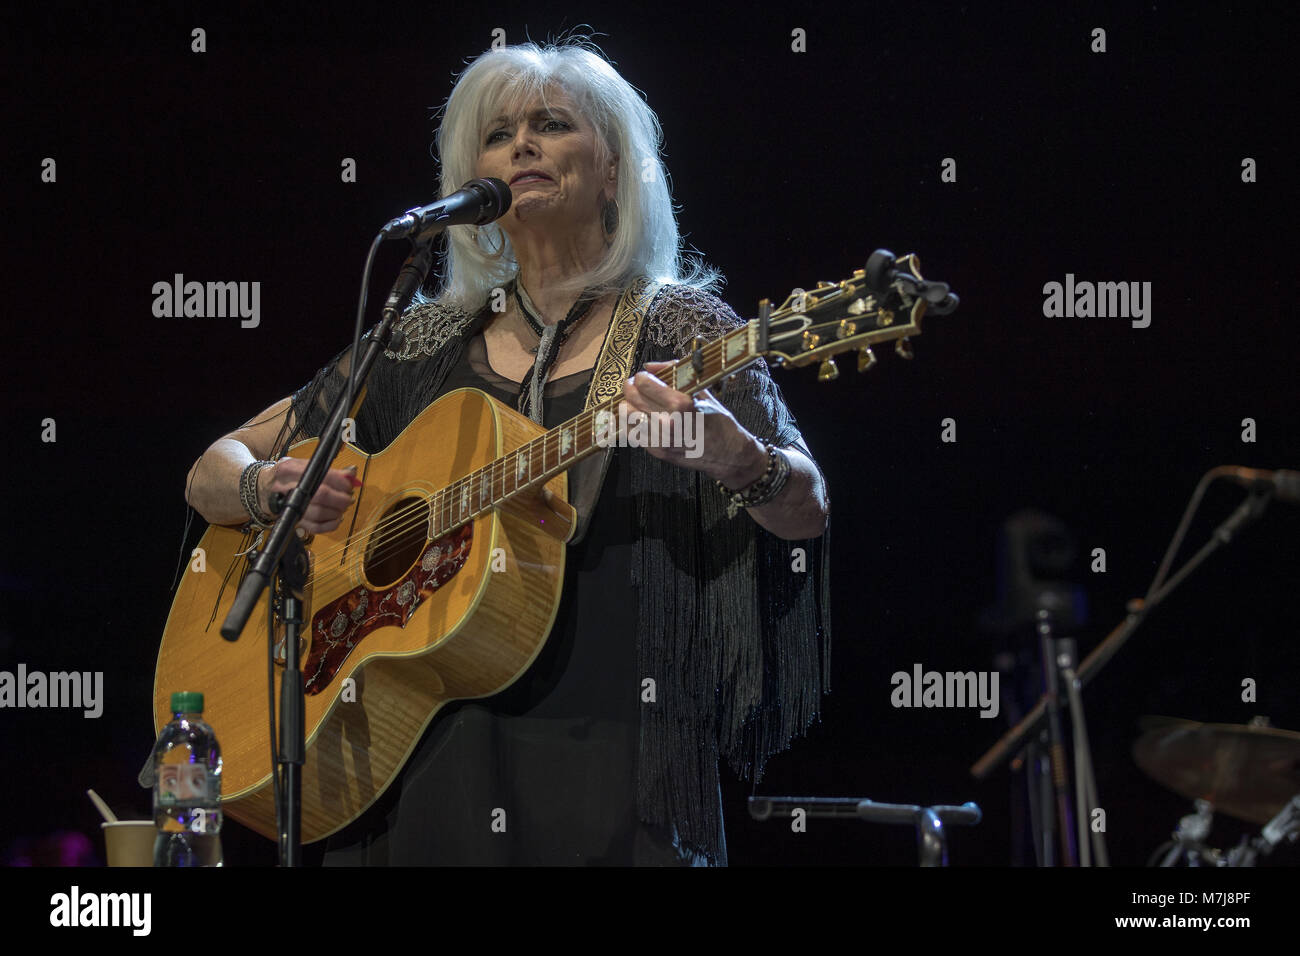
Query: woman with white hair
[[666, 587]]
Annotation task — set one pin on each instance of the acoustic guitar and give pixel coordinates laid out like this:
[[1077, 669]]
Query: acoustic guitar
[[443, 581]]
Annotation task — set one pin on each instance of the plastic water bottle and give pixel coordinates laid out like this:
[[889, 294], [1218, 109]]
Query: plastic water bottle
[[187, 788]]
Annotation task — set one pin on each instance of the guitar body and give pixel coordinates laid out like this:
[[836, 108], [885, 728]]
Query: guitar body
[[397, 622]]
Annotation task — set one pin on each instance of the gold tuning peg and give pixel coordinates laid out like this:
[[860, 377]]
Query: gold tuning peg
[[828, 371], [903, 349], [866, 359]]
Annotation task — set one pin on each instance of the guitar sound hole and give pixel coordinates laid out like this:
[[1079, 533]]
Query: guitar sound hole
[[398, 542]]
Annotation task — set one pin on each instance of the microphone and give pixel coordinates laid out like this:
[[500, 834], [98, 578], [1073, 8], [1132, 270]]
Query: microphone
[[478, 202], [1284, 484]]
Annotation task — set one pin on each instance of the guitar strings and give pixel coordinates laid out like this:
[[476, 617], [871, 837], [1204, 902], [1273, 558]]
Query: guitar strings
[[397, 523], [429, 509], [406, 519]]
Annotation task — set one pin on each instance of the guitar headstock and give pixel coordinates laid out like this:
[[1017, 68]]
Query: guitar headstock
[[883, 302]]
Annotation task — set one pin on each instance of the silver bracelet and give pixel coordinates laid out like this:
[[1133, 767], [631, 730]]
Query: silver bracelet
[[248, 494]]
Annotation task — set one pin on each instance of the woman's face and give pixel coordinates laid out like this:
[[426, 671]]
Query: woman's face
[[547, 154]]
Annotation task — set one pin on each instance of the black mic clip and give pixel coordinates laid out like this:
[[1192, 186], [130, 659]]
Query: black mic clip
[[405, 224]]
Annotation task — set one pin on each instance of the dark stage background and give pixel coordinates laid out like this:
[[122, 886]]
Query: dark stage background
[[788, 167]]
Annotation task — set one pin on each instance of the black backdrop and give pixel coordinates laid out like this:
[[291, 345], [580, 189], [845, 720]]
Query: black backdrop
[[789, 167]]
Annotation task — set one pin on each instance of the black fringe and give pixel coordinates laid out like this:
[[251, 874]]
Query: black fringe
[[738, 642]]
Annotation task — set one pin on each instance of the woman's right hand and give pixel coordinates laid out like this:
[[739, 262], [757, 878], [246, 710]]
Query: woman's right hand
[[325, 511]]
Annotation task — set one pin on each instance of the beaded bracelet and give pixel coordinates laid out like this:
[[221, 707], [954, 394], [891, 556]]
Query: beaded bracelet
[[766, 487], [248, 494]]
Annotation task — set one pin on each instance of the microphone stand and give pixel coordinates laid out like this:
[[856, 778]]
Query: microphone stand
[[1085, 783], [1014, 740], [275, 559], [931, 838], [1055, 749]]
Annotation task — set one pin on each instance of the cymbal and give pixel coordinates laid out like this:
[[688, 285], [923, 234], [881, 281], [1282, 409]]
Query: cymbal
[[1245, 771]]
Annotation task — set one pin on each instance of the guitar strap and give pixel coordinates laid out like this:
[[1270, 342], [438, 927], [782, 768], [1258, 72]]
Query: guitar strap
[[612, 370], [614, 367]]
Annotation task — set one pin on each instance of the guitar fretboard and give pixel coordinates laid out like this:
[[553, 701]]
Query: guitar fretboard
[[538, 461]]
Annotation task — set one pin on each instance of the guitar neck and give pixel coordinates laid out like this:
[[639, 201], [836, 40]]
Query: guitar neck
[[533, 464]]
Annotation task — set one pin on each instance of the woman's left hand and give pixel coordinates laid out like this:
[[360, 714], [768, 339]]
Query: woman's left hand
[[712, 441]]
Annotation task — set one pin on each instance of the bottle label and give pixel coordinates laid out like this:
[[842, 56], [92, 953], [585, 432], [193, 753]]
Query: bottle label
[[182, 784]]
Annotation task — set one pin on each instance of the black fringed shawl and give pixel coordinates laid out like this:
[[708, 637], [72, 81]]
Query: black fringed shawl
[[734, 624]]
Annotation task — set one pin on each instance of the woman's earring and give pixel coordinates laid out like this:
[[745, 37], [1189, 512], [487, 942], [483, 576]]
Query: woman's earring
[[610, 217]]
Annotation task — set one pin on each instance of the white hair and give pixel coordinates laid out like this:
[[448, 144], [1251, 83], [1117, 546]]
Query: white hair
[[499, 82]]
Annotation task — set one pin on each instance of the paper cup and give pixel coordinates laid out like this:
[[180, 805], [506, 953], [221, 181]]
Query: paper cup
[[129, 842]]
